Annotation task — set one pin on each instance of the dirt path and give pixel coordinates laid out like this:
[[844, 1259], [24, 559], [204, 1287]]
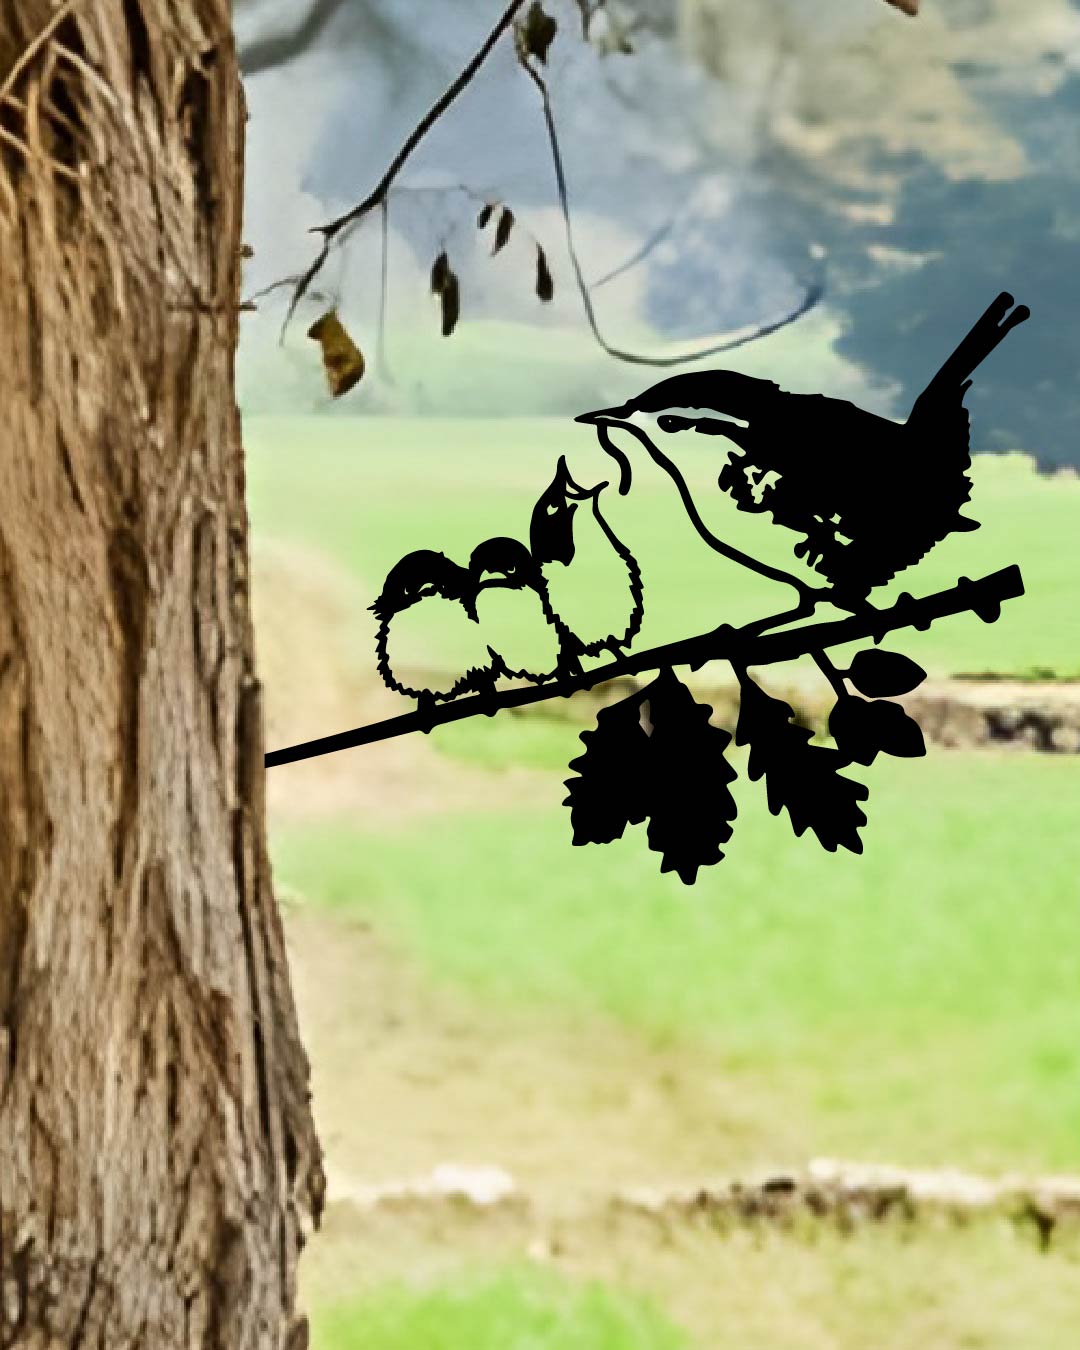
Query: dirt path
[[407, 1077]]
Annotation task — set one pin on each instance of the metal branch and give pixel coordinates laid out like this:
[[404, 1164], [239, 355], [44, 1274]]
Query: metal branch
[[741, 647]]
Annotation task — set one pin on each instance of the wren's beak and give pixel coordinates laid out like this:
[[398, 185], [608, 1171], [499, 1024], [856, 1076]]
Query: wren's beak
[[619, 414], [614, 417]]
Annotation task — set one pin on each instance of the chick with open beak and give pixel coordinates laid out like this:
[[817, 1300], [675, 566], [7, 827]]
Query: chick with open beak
[[593, 583]]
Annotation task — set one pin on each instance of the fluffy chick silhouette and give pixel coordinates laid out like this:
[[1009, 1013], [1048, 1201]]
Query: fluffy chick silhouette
[[593, 583], [868, 496], [427, 598], [512, 609]]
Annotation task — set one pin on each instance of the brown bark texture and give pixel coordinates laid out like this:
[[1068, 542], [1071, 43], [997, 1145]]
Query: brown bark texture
[[159, 1168]]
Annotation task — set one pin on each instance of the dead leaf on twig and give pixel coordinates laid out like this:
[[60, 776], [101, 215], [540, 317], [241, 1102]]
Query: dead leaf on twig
[[343, 360]]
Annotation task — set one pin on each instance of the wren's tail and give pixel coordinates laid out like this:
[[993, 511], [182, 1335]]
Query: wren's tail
[[973, 350]]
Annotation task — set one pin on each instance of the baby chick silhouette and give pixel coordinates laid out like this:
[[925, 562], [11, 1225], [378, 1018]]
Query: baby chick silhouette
[[868, 496], [511, 607], [592, 580], [427, 599]]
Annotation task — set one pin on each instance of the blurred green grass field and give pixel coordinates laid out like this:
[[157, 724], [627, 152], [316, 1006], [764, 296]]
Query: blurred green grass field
[[918, 1001], [369, 490], [979, 1289], [481, 1310]]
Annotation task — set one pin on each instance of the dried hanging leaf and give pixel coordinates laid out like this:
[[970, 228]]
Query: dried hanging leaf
[[538, 31], [545, 287], [440, 270], [450, 301], [485, 215], [910, 7], [343, 360], [502, 230]]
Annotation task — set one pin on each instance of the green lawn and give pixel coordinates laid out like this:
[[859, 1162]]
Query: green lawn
[[982, 1288], [917, 1002], [369, 490], [511, 1309]]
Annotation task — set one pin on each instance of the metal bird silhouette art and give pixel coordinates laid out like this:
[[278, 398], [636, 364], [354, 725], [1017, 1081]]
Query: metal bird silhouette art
[[606, 615], [512, 609], [498, 612], [868, 496], [426, 594]]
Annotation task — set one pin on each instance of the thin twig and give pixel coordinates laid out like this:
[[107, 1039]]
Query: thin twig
[[379, 194], [384, 291], [812, 297], [274, 286], [638, 256], [334, 227], [725, 643]]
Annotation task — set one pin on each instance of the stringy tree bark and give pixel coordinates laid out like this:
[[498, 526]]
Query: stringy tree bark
[[158, 1162]]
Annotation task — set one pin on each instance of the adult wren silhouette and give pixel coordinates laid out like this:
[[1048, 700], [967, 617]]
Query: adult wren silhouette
[[867, 496]]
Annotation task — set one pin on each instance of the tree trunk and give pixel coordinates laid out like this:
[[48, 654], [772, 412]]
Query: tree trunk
[[158, 1162]]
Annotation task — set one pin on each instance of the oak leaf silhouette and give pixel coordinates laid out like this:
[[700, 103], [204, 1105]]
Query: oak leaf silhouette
[[611, 789], [802, 779], [690, 804], [656, 756]]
